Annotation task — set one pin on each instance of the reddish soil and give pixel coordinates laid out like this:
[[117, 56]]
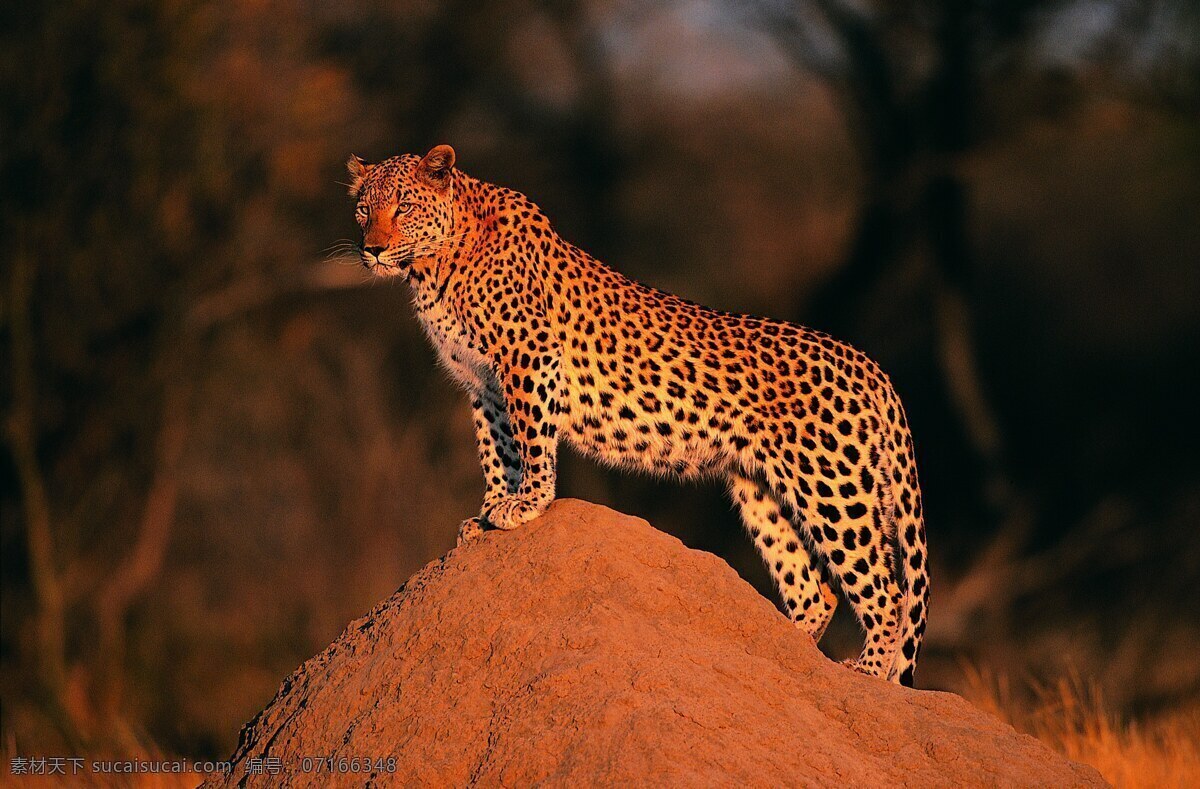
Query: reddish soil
[[589, 648]]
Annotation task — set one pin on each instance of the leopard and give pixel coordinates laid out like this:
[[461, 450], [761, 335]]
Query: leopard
[[549, 343]]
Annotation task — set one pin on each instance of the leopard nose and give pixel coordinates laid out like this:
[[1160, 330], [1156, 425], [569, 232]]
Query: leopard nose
[[374, 252]]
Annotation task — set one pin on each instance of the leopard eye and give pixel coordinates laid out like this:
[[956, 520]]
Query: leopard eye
[[360, 211], [403, 208]]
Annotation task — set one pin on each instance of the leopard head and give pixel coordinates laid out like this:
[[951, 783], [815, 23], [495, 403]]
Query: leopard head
[[405, 209]]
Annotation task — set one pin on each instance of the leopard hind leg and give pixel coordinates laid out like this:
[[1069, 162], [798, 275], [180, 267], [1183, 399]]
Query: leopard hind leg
[[851, 534], [808, 598]]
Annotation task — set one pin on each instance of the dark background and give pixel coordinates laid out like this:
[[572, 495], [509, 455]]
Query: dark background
[[222, 441]]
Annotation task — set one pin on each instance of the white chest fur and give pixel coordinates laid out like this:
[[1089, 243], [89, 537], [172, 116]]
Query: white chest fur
[[465, 364]]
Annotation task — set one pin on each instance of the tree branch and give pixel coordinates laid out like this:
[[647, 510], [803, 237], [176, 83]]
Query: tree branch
[[144, 560], [248, 295], [1002, 575], [39, 538]]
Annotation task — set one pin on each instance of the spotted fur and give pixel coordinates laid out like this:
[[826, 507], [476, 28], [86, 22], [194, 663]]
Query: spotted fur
[[549, 342]]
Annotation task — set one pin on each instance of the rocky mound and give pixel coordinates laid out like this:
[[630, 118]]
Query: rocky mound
[[589, 648]]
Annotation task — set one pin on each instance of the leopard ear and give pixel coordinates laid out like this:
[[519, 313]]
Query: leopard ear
[[435, 167], [358, 170]]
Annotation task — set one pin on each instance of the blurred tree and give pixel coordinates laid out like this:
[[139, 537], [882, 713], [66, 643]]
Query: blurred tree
[[90, 354], [917, 82], [924, 85], [910, 77], [128, 190]]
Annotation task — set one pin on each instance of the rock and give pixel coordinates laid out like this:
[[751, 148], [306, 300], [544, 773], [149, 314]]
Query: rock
[[587, 647]]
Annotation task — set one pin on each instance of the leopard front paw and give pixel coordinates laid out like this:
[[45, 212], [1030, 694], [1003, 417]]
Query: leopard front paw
[[510, 512], [470, 529]]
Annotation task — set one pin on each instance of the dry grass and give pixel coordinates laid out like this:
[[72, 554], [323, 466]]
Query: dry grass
[[80, 772], [1070, 716]]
